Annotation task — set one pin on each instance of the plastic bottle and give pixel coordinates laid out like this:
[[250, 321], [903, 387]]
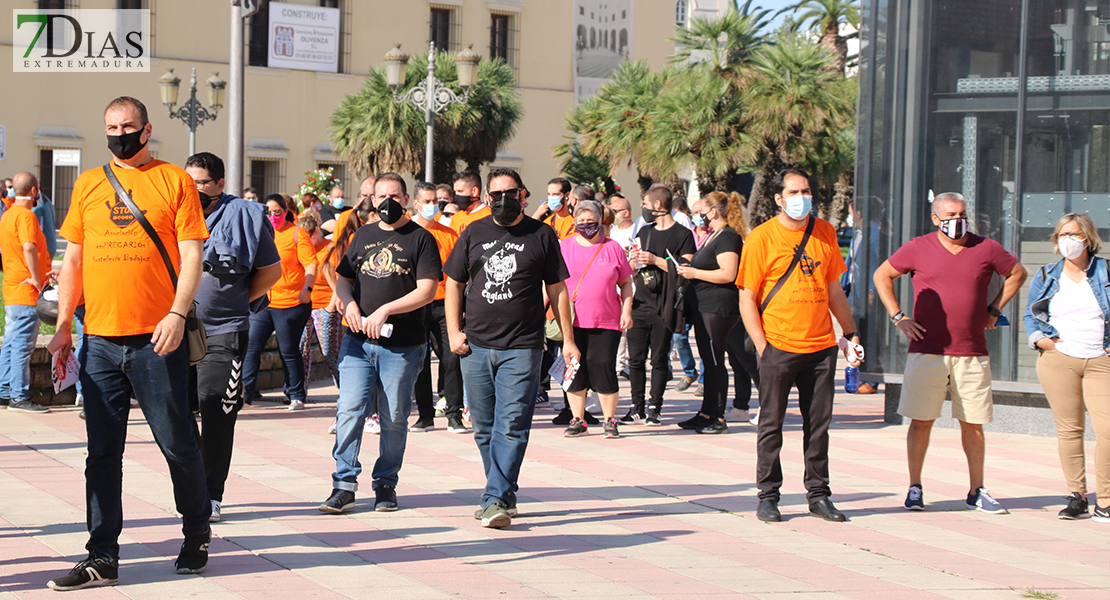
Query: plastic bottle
[[851, 379]]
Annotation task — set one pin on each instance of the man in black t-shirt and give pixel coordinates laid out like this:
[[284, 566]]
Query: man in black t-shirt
[[389, 273], [649, 330], [513, 258]]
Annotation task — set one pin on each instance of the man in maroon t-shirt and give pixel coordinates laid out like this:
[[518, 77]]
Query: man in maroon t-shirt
[[951, 271]]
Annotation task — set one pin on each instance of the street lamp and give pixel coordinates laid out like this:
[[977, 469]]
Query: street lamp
[[192, 113], [430, 95]]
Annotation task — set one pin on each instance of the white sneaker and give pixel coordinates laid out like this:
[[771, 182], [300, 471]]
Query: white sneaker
[[441, 405], [372, 425], [296, 405], [735, 415], [331, 428], [755, 417], [134, 402], [80, 399], [215, 518]]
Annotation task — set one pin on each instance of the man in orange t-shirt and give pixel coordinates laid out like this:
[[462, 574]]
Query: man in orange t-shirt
[[425, 206], [26, 264], [134, 328], [468, 197], [555, 211], [793, 335]]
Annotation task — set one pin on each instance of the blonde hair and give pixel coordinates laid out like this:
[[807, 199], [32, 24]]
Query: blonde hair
[[731, 207], [309, 220], [1086, 226]]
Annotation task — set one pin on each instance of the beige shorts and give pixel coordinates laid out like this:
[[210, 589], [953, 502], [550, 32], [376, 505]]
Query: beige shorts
[[929, 377]]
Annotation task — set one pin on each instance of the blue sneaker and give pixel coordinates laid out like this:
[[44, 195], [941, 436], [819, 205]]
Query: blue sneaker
[[982, 500], [542, 399], [914, 499]]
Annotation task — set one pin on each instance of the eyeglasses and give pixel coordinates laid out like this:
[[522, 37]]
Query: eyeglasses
[[276, 213], [1075, 235], [202, 182], [513, 194]]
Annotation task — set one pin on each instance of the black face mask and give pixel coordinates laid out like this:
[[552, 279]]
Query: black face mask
[[390, 211], [127, 145], [464, 202], [505, 211], [442, 205], [206, 200], [650, 214]]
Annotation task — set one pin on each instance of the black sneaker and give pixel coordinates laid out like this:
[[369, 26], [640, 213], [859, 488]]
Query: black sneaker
[[564, 417], [194, 554], [577, 428], [591, 420], [385, 498], [423, 425], [455, 424], [634, 417], [715, 426], [610, 429], [339, 501], [91, 572], [27, 406], [695, 422], [652, 419], [1076, 508], [1100, 514]]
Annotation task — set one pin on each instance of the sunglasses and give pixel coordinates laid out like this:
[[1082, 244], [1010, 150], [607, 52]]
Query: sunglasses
[[513, 193]]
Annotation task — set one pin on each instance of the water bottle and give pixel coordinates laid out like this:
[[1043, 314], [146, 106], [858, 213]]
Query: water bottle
[[851, 379]]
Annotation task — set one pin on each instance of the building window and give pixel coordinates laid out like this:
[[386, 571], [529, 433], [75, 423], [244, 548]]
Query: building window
[[681, 12], [344, 31], [443, 27], [138, 5], [57, 4], [56, 181], [267, 176], [258, 35], [502, 39]]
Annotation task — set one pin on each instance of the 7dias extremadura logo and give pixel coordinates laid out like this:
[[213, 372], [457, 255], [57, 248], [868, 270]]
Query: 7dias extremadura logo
[[80, 41]]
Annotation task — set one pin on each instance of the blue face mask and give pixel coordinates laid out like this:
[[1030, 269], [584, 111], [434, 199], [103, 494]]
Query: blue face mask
[[338, 202], [698, 220], [554, 202], [797, 207], [428, 211], [11, 192]]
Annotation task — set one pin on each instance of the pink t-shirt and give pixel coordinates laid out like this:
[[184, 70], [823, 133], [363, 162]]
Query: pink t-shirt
[[950, 291], [598, 303]]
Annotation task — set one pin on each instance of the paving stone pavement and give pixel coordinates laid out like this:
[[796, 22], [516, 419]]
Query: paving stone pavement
[[658, 513]]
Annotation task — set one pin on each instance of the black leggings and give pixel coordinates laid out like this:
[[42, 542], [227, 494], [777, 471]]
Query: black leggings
[[711, 331], [598, 370], [745, 368]]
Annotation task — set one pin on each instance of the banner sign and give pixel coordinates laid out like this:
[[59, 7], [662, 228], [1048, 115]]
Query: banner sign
[[304, 37], [80, 40], [602, 39]]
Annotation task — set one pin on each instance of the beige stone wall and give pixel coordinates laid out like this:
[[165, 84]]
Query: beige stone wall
[[293, 106]]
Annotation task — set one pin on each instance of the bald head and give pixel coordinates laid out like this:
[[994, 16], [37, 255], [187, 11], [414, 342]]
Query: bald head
[[24, 183]]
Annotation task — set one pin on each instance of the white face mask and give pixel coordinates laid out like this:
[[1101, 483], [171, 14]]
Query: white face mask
[[797, 207], [1071, 248]]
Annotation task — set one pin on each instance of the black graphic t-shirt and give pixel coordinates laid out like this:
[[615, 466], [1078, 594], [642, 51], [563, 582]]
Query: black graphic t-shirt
[[390, 271], [716, 298], [677, 239], [504, 307]]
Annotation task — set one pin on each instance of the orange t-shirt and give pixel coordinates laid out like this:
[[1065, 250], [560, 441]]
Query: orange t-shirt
[[321, 291], [461, 220], [563, 226], [127, 288], [19, 226], [295, 256], [797, 319], [445, 239]]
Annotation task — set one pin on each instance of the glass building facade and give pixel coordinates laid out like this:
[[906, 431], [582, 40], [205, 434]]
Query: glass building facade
[[1004, 101]]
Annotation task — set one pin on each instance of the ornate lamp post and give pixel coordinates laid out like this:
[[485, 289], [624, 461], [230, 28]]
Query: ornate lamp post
[[192, 113], [430, 95]]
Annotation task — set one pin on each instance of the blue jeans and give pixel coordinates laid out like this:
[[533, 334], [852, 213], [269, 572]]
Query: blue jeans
[[79, 336], [367, 370], [501, 387], [681, 342], [112, 369], [288, 326], [21, 330]]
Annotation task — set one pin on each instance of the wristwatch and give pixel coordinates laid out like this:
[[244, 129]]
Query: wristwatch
[[898, 317], [994, 312], [849, 336]]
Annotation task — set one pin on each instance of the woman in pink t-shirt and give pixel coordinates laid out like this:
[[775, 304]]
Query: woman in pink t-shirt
[[598, 268]]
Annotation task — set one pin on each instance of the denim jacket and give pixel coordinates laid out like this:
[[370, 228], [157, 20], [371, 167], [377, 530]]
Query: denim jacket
[[1045, 284]]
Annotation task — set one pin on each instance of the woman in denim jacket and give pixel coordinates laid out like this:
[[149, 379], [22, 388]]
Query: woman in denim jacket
[[1068, 320]]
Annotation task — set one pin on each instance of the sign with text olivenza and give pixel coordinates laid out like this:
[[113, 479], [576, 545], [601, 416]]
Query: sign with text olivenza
[[80, 40], [303, 37]]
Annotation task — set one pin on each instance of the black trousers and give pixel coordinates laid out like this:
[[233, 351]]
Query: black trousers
[[814, 375], [450, 374], [649, 333], [745, 366], [216, 390], [711, 332]]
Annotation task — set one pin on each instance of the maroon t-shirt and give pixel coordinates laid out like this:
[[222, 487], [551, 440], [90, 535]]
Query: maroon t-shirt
[[950, 291]]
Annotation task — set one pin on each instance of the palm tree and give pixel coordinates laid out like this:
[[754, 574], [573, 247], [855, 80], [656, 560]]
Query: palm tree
[[374, 133], [589, 169], [724, 43], [827, 16]]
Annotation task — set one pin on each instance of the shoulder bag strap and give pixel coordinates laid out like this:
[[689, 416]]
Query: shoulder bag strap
[[574, 296], [793, 264], [141, 218]]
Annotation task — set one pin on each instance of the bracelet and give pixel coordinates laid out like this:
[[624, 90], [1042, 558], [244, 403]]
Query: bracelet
[[849, 336], [178, 314], [898, 317]]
